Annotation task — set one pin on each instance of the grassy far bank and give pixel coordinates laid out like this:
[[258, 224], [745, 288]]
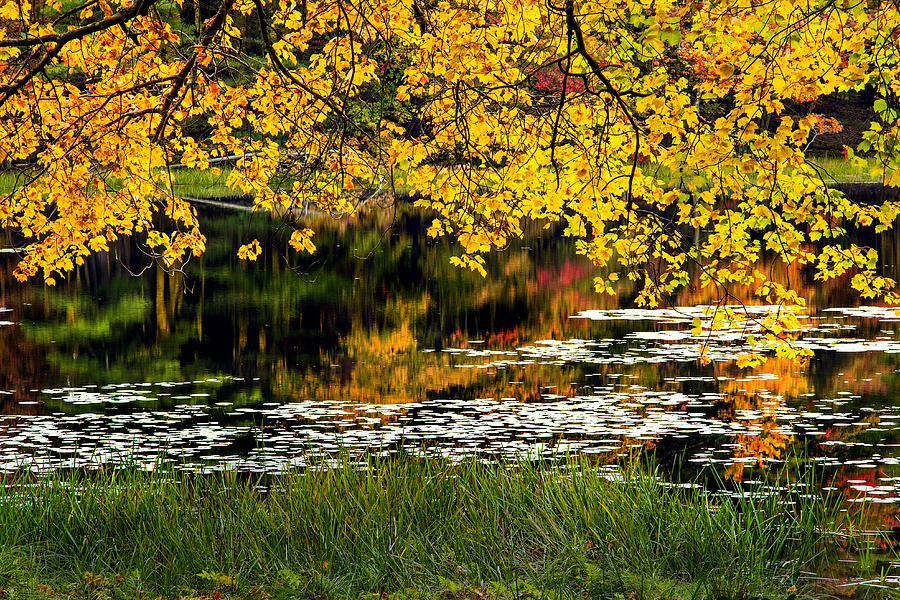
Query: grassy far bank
[[196, 183], [405, 529], [186, 182]]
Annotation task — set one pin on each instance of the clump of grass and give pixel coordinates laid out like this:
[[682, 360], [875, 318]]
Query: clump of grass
[[404, 528]]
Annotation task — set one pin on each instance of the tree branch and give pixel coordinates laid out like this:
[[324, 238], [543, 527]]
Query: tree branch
[[60, 40], [208, 34], [573, 26]]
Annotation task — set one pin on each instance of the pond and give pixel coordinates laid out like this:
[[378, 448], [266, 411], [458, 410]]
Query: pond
[[377, 343]]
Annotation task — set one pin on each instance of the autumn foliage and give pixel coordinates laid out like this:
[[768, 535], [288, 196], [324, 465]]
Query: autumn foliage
[[632, 123]]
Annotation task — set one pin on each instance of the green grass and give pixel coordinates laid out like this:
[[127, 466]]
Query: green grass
[[835, 169], [186, 182], [10, 180], [189, 182], [403, 528], [197, 183]]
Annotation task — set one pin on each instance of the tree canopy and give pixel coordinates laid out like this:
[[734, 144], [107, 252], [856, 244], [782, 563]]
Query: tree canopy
[[633, 124]]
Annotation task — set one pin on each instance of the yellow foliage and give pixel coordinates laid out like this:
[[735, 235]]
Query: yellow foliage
[[249, 251], [593, 116], [301, 240]]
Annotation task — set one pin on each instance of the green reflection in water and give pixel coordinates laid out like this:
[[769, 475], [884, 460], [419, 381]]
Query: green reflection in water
[[349, 323]]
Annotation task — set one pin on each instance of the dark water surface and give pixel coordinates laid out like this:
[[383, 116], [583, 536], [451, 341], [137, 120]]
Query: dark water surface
[[377, 343]]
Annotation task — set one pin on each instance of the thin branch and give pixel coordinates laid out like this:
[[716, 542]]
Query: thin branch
[[573, 26], [60, 40], [208, 34]]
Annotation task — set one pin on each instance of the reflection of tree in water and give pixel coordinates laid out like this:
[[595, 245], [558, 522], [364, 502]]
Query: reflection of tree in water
[[21, 365], [354, 322], [756, 399], [269, 319]]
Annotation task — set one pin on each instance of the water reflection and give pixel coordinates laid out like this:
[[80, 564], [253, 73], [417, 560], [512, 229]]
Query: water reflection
[[378, 343]]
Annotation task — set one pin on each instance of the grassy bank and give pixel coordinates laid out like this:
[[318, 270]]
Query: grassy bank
[[197, 183], [403, 529]]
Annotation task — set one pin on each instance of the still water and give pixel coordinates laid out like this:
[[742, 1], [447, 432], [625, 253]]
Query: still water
[[377, 344]]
